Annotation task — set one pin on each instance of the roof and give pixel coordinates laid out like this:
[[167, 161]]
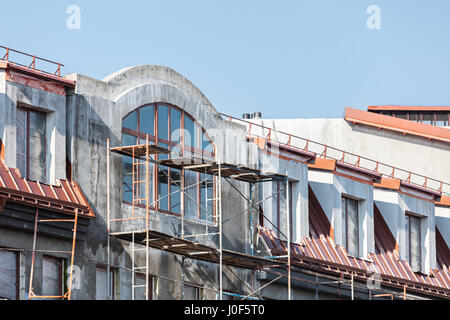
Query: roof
[[396, 124], [319, 252], [65, 197], [409, 108]]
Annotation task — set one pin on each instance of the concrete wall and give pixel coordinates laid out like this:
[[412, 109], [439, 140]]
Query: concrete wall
[[95, 112]]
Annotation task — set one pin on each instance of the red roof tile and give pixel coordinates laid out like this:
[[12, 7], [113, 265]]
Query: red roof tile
[[65, 197], [319, 252]]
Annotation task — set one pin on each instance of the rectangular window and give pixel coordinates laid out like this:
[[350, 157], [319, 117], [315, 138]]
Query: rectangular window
[[350, 229], [206, 197], [52, 270], [413, 242], [163, 122], [101, 283], [191, 292], [139, 291], [31, 144], [9, 275], [280, 208]]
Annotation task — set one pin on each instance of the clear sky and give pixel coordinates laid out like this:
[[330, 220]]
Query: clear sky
[[305, 59]]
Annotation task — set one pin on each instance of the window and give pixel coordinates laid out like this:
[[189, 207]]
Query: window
[[31, 144], [350, 229], [279, 209], [139, 291], [9, 275], [171, 128], [52, 270], [413, 242], [191, 292], [101, 283]]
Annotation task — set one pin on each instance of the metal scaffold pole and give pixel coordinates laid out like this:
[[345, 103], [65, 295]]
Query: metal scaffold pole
[[108, 219], [288, 232], [219, 178], [147, 218]]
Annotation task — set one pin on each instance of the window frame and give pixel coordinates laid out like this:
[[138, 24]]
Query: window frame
[[17, 264], [408, 234], [28, 109], [196, 288], [345, 242], [104, 268], [142, 276], [60, 261], [195, 150]]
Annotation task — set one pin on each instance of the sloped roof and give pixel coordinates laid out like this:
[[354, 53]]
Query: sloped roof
[[320, 253], [397, 124], [64, 197]]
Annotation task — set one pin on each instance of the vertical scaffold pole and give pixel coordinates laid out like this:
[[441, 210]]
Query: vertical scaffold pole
[[30, 289], [288, 226], [219, 178], [147, 222], [183, 172], [69, 293], [251, 221], [108, 221]]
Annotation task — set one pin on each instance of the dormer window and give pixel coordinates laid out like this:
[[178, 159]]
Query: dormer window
[[350, 230], [413, 243]]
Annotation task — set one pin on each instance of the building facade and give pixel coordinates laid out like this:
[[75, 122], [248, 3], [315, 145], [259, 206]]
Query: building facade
[[136, 187]]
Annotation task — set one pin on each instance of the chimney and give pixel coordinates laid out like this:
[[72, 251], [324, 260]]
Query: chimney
[[256, 115]]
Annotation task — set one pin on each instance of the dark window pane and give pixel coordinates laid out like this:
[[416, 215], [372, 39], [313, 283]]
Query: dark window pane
[[206, 143], [415, 243], [163, 156], [352, 227], [163, 188], [8, 275], [344, 221], [163, 122], [196, 135], [130, 121], [52, 273], [190, 182], [21, 141], [175, 125], [175, 183], [189, 134], [206, 195], [407, 237], [128, 140], [147, 120], [37, 146], [127, 179]]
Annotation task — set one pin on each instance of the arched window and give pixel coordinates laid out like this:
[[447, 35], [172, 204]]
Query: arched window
[[172, 128]]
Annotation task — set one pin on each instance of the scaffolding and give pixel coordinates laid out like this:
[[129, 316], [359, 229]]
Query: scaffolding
[[68, 294], [143, 156], [144, 238]]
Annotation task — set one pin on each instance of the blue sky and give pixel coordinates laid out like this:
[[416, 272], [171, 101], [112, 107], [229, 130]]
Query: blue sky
[[304, 59]]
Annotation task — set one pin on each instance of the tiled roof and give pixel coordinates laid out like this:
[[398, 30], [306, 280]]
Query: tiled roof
[[64, 197], [320, 253]]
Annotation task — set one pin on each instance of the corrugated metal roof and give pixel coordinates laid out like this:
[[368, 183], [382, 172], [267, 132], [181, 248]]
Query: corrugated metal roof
[[64, 197], [320, 253]]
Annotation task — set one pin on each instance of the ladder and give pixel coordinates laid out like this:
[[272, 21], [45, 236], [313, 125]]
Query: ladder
[[138, 184]]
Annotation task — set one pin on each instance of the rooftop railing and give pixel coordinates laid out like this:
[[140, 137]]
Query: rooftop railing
[[328, 152], [13, 56]]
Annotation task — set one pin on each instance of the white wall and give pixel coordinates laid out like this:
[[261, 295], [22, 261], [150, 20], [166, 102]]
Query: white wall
[[329, 188]]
